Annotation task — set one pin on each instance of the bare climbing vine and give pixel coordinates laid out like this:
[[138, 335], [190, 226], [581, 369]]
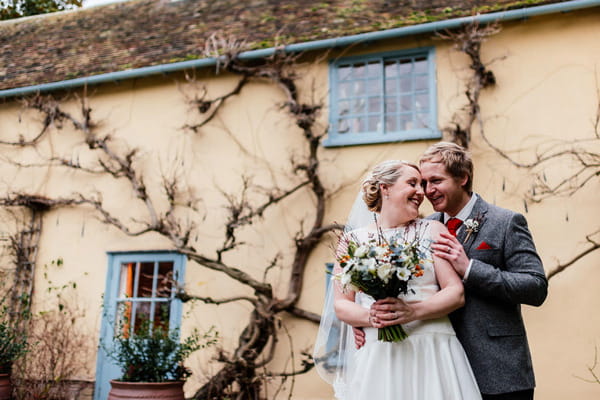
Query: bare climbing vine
[[469, 40], [244, 369]]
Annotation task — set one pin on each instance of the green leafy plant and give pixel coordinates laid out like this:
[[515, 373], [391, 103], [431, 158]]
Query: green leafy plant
[[13, 344], [155, 353]]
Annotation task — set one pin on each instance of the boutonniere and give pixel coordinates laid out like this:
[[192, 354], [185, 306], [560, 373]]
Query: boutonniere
[[472, 225]]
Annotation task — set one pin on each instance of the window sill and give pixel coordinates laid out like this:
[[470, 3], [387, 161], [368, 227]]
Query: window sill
[[367, 138]]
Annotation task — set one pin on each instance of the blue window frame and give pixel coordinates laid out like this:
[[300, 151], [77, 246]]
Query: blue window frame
[[384, 97], [136, 290]]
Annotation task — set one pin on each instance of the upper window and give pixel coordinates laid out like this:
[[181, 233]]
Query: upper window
[[383, 98]]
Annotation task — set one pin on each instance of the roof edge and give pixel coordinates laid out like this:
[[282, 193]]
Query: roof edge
[[322, 44]]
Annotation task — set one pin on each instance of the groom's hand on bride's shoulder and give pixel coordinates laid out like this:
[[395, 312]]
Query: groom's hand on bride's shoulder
[[359, 337], [450, 249]]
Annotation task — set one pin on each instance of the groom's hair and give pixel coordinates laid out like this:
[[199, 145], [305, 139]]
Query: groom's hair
[[455, 158]]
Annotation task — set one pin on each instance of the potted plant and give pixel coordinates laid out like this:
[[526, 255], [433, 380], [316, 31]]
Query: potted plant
[[151, 358], [13, 345]]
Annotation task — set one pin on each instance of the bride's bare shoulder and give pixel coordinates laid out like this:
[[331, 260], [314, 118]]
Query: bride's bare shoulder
[[435, 227]]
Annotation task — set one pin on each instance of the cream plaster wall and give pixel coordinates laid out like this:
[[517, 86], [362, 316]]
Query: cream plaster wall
[[548, 78]]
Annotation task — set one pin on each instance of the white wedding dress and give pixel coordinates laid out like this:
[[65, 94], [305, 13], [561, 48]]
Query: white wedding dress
[[428, 365]]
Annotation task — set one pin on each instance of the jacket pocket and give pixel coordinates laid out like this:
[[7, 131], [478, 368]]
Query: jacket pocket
[[488, 256]]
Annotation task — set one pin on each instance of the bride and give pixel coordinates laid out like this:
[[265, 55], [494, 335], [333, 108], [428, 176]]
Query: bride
[[428, 365]]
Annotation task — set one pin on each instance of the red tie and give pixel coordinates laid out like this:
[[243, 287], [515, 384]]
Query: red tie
[[453, 224]]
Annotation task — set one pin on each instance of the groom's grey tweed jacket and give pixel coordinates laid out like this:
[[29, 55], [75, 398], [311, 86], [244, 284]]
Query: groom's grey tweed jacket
[[502, 277]]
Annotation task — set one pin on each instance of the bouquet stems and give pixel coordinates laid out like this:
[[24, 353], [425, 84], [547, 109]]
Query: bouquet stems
[[394, 333]]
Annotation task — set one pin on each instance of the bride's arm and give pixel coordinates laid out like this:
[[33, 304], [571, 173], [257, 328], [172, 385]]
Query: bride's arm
[[345, 307], [449, 298], [451, 295]]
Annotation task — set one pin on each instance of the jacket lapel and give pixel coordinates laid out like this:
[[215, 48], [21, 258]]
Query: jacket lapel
[[480, 208]]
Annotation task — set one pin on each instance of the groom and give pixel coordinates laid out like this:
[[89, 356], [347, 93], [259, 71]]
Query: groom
[[493, 252]]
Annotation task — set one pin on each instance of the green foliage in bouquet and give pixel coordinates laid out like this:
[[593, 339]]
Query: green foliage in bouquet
[[155, 353]]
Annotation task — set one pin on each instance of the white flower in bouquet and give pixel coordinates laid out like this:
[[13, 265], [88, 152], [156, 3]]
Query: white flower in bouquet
[[380, 251], [403, 273], [385, 271], [371, 264], [361, 251]]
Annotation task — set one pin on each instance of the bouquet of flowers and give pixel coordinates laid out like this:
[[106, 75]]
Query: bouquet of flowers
[[381, 268]]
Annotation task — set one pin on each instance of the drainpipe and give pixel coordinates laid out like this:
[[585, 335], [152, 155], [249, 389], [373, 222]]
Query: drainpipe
[[431, 27]]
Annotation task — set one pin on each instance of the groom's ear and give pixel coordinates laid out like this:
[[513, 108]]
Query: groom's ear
[[463, 181]]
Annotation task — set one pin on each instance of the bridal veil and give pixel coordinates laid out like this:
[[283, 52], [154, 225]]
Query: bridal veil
[[335, 340]]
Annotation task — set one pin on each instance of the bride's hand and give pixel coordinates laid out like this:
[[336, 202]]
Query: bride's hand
[[391, 311]]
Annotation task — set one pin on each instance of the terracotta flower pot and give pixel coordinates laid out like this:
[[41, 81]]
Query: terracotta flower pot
[[146, 390], [5, 387]]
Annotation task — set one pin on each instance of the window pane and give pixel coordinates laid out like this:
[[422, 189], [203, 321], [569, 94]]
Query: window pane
[[391, 105], [343, 107], [164, 279], [352, 125], [343, 126], [344, 72], [374, 69], [391, 86], [390, 123], [344, 90], [391, 69], [406, 84], [126, 280], [358, 71], [420, 65], [422, 102], [141, 316], [422, 121], [406, 66], [374, 124], [421, 82], [146, 280], [406, 122], [373, 87], [374, 104], [358, 88], [360, 125], [406, 103], [161, 314], [358, 106]]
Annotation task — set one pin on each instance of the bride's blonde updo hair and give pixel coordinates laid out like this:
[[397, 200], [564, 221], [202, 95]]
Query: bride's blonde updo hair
[[386, 172]]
